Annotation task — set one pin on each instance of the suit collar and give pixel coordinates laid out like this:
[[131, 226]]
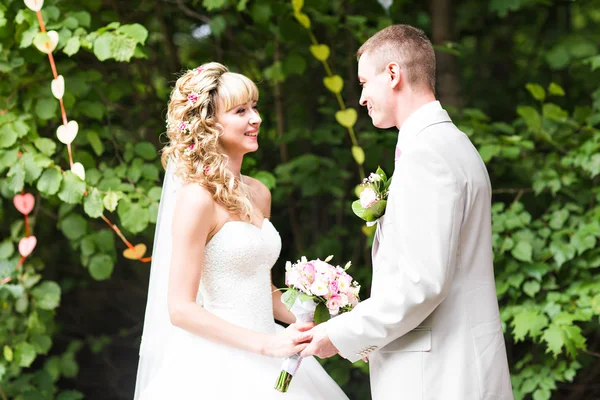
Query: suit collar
[[429, 114]]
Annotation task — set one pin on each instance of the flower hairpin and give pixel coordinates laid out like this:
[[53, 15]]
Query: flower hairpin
[[189, 150], [184, 127], [198, 70], [192, 98]]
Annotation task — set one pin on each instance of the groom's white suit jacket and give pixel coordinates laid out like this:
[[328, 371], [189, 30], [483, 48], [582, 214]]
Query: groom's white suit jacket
[[431, 327]]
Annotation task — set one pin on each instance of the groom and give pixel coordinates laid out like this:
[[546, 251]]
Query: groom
[[431, 328]]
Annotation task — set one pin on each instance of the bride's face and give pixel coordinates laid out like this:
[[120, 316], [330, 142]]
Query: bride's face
[[240, 128]]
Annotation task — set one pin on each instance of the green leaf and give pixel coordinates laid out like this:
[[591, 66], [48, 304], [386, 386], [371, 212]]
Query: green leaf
[[50, 181], [150, 172], [16, 176], [110, 201], [528, 322], [146, 150], [92, 204], [553, 336], [135, 31], [46, 108], [531, 116], [542, 394], [72, 189], [522, 251], [70, 395], [101, 266], [32, 170], [45, 145], [83, 18], [558, 57], [359, 154], [213, 4], [555, 90], [558, 219], [25, 354], [72, 46], [218, 25], [7, 249], [321, 313], [241, 6], [261, 12], [370, 214], [289, 298], [554, 112], [74, 226], [8, 136], [133, 216], [94, 140], [489, 151], [41, 343], [267, 178], [47, 295], [536, 91], [155, 193], [531, 288], [102, 46], [8, 353]]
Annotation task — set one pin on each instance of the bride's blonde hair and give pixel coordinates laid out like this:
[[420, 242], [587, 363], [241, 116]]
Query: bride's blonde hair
[[194, 132]]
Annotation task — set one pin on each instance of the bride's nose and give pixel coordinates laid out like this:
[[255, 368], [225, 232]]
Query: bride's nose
[[255, 119]]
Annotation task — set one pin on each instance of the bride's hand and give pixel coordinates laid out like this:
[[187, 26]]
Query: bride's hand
[[290, 341]]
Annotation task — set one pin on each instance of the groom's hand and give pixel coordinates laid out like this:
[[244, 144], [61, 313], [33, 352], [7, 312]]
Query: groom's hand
[[320, 346]]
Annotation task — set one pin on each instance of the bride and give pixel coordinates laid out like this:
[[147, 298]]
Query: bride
[[209, 330]]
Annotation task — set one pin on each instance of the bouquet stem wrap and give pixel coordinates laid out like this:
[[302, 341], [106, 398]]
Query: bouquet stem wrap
[[304, 312]]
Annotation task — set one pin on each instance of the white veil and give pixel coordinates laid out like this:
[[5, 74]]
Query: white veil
[[157, 324]]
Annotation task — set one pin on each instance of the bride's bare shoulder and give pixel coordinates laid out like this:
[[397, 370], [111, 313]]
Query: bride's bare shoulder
[[193, 196]]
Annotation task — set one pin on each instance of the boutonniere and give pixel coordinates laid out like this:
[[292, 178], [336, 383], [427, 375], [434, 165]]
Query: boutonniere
[[373, 195]]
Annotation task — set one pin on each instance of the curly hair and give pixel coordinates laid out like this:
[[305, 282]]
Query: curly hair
[[194, 132]]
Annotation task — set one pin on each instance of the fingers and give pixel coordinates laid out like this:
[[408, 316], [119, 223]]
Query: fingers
[[303, 326], [300, 348], [308, 351], [303, 337]]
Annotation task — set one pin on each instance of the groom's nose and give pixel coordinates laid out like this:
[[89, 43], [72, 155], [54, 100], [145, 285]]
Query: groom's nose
[[362, 101]]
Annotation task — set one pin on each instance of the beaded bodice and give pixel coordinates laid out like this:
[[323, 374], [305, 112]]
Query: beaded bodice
[[236, 275]]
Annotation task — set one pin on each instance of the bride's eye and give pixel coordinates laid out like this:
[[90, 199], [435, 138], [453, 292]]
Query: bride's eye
[[240, 111]]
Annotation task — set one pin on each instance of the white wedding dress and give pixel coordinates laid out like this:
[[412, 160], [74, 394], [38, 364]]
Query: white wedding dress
[[236, 286]]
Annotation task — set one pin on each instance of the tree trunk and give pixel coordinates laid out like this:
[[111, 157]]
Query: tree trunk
[[448, 83]]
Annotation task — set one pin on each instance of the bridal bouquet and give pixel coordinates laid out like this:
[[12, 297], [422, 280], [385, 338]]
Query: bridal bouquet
[[316, 291], [373, 195]]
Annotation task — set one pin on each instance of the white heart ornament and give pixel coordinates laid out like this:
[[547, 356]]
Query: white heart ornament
[[34, 5], [49, 45], [66, 133], [58, 87], [78, 170]]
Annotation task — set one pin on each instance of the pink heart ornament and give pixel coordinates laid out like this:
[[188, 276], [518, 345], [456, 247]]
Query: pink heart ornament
[[24, 203], [78, 170], [58, 87], [34, 5], [26, 245], [66, 133], [50, 44]]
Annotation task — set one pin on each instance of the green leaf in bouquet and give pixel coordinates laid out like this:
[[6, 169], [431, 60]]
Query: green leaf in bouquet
[[321, 313], [289, 298], [305, 297], [369, 214], [387, 183], [381, 173]]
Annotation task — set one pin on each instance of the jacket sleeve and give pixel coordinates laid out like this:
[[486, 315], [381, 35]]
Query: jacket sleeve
[[418, 256]]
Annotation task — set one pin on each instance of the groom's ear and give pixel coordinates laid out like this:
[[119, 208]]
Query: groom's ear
[[395, 75]]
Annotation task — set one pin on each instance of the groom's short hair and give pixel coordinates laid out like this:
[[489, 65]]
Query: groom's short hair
[[409, 47]]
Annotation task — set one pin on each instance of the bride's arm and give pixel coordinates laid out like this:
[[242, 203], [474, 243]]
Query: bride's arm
[[280, 311], [192, 222]]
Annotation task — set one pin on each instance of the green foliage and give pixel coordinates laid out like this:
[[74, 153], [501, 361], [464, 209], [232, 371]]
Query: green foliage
[[527, 71]]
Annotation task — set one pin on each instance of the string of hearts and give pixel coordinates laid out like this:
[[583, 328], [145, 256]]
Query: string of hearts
[[334, 83], [65, 133]]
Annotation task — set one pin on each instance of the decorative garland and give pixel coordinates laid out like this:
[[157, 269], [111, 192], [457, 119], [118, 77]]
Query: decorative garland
[[346, 116], [46, 42]]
